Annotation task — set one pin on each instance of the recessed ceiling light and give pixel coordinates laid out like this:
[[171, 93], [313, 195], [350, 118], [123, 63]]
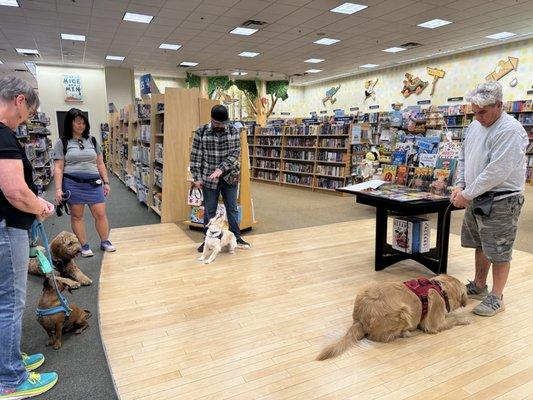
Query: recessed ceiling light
[[31, 67], [168, 46], [9, 3], [501, 35], [313, 71], [132, 17], [369, 65], [248, 54], [348, 8], [188, 64], [394, 49], [27, 51], [76, 38], [434, 23], [239, 73], [115, 58], [243, 31], [314, 60], [326, 41], [1, 62]]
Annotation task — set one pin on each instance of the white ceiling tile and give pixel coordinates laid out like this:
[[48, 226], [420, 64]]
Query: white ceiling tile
[[187, 5]]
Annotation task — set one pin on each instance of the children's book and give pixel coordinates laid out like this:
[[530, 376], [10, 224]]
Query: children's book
[[427, 160], [399, 157], [356, 133], [449, 149], [389, 173], [427, 144], [422, 178], [449, 164], [401, 174], [440, 185]]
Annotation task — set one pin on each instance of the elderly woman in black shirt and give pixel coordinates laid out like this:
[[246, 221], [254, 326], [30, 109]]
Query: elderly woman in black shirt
[[19, 206]]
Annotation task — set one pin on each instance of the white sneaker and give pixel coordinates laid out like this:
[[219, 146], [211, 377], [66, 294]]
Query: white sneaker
[[86, 251]]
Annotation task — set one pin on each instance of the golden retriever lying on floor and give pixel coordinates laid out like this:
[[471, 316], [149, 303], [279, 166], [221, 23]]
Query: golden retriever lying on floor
[[385, 311]]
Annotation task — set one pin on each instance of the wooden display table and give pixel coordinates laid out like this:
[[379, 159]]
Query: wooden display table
[[436, 259]]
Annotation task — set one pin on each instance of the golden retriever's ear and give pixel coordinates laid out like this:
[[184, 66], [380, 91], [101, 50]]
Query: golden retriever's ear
[[55, 247]]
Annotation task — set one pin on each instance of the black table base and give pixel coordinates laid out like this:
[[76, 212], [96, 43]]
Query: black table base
[[436, 260]]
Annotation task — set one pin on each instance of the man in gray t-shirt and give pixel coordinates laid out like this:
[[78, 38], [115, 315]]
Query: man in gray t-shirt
[[490, 185], [79, 160]]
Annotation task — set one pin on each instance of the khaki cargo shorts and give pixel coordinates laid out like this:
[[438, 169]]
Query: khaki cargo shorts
[[494, 234]]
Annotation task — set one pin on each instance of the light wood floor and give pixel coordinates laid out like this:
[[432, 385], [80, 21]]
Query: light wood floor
[[250, 325]]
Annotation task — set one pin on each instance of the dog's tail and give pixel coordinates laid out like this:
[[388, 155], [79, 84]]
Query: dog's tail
[[354, 334]]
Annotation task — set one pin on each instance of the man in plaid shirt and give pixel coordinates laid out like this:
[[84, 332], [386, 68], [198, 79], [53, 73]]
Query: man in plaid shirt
[[215, 168]]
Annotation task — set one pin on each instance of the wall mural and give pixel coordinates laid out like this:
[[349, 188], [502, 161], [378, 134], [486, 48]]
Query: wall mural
[[412, 85], [330, 95], [369, 90], [503, 68]]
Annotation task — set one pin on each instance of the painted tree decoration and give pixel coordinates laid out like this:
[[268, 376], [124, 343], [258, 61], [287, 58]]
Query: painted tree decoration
[[413, 84], [192, 81], [277, 90]]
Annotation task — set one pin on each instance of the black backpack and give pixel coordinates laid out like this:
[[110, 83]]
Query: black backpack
[[65, 144]]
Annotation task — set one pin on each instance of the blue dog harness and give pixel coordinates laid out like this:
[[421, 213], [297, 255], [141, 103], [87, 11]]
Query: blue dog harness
[[37, 229]]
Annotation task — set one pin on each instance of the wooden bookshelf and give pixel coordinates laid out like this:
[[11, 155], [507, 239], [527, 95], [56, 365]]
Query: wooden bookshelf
[[299, 155]]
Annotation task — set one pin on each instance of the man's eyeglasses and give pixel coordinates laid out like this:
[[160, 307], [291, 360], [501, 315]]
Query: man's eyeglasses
[[80, 144], [31, 111]]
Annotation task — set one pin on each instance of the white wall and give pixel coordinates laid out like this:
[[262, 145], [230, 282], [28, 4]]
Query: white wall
[[52, 95], [119, 86]]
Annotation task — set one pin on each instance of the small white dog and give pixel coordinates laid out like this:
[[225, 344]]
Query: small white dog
[[217, 238]]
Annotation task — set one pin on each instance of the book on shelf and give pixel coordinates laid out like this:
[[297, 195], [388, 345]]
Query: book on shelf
[[398, 157], [449, 149], [448, 164], [411, 235]]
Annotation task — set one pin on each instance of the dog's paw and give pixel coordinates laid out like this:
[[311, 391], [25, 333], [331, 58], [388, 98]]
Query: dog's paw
[[86, 282], [201, 259], [57, 345], [463, 320]]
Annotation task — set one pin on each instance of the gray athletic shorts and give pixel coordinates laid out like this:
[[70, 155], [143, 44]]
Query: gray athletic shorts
[[496, 233]]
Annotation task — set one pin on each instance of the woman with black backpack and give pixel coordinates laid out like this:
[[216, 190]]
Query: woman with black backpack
[[81, 179]]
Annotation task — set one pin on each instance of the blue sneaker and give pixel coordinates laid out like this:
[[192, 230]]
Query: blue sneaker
[[32, 362], [86, 250], [35, 385], [107, 246]]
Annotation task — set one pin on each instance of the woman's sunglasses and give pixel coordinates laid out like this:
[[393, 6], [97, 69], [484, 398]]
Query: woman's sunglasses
[[80, 144]]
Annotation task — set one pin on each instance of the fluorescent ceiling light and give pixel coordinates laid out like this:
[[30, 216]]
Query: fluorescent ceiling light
[[434, 23], [188, 64], [9, 3], [168, 46], [314, 60], [369, 65], [144, 19], [394, 49], [501, 35], [313, 71], [248, 54], [27, 51], [31, 67], [76, 38], [348, 8], [326, 41], [239, 73], [115, 58], [1, 62], [243, 31]]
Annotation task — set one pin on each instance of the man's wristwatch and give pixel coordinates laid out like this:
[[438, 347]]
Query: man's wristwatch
[[106, 183]]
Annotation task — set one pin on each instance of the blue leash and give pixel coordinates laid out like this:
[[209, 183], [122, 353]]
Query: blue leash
[[37, 230]]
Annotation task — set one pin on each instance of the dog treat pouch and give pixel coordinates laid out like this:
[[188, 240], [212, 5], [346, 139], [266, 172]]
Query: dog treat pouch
[[482, 205]]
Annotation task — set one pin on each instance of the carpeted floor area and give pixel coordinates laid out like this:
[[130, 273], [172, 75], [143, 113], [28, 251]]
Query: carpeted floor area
[[81, 363]]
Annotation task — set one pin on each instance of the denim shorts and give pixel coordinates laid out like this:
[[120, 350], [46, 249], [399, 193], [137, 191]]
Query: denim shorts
[[494, 234]]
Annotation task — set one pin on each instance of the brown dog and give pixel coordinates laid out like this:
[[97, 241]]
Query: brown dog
[[65, 247], [387, 310], [57, 323]]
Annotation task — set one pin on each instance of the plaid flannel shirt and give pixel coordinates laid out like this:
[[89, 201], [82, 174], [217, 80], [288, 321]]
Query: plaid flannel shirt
[[211, 150]]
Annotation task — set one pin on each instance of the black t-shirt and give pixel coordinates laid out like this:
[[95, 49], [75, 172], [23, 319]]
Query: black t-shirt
[[11, 149]]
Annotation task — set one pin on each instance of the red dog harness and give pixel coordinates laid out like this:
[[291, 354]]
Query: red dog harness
[[421, 287]]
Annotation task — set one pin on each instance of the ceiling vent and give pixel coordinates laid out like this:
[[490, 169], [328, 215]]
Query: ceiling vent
[[252, 23], [410, 45]]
